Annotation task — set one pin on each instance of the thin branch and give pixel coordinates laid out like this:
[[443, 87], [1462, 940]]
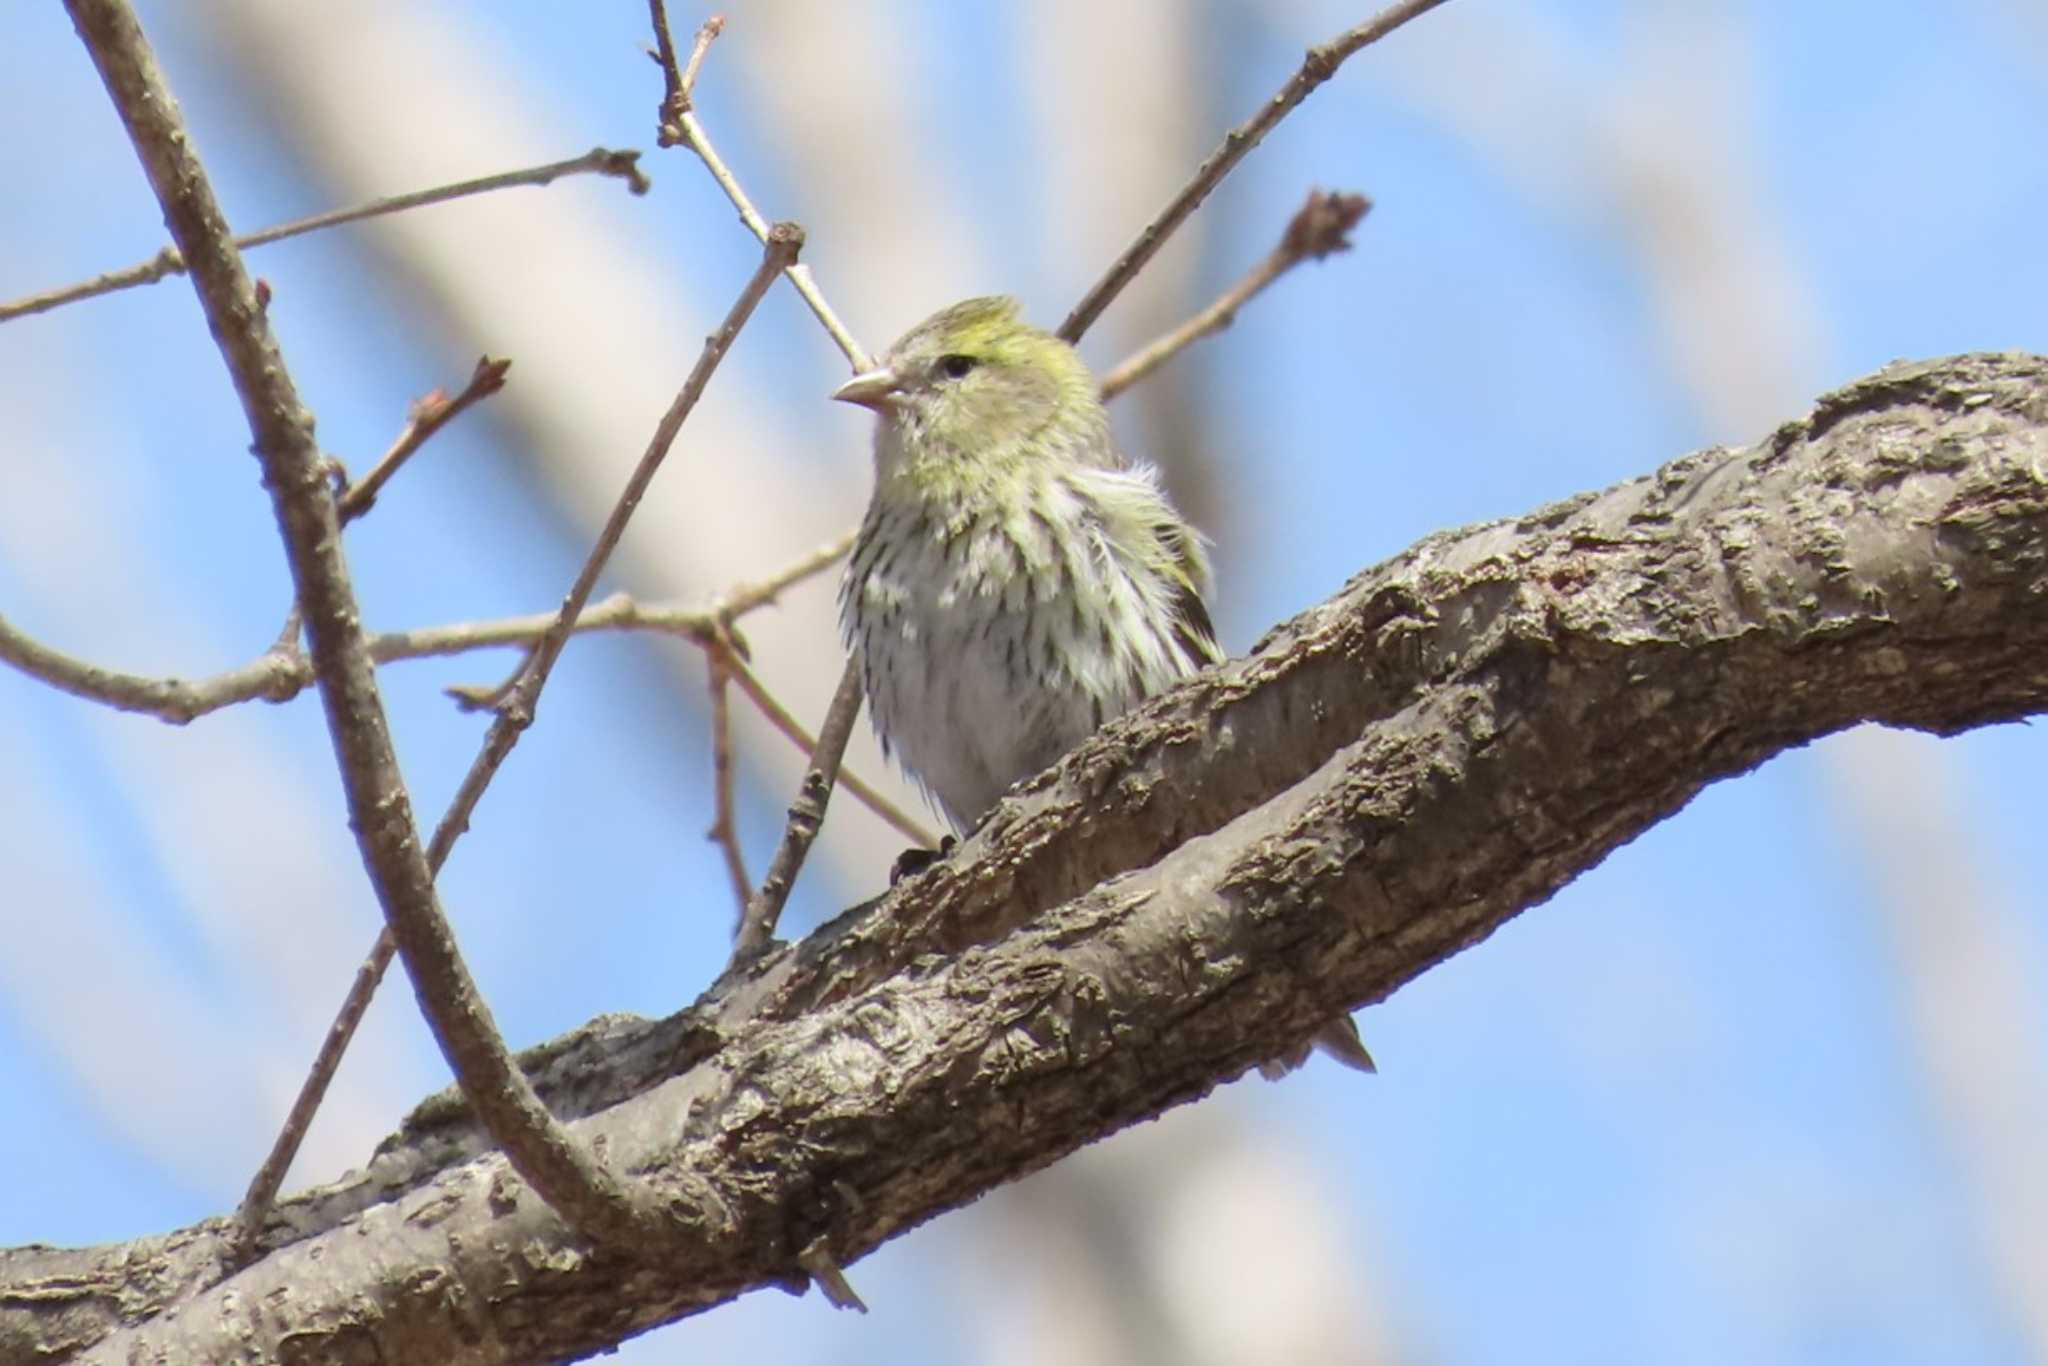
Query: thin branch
[[428, 416], [598, 161], [747, 596], [380, 810], [678, 126], [618, 612], [724, 831], [806, 815], [282, 673], [514, 702], [276, 675], [867, 796], [514, 714], [261, 1194], [682, 85], [1318, 66], [1319, 227]]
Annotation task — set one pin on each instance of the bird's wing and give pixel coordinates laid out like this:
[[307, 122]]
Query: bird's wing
[[1193, 632]]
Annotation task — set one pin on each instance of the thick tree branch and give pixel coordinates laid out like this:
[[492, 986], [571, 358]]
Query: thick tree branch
[[1386, 779]]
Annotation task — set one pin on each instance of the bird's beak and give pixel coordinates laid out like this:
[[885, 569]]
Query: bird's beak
[[871, 388]]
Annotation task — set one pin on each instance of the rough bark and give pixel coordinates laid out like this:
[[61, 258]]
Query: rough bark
[[1383, 781]]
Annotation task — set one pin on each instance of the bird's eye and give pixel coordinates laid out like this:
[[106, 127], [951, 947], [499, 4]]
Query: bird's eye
[[956, 366]]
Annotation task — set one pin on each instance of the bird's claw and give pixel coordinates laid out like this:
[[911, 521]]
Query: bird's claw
[[913, 861]]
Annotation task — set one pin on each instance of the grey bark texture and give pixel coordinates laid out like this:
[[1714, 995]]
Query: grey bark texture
[[1384, 780]]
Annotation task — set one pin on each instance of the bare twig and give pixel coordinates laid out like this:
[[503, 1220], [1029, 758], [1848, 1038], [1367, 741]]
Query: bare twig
[[806, 815], [429, 415], [514, 714], [282, 673], [706, 34], [276, 675], [291, 1135], [561, 1170], [678, 126], [682, 84], [779, 717], [724, 831], [746, 597], [1319, 227], [1320, 64], [600, 161]]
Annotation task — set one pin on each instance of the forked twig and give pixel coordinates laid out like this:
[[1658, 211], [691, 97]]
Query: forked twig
[[678, 126], [514, 714], [429, 415], [283, 672], [1319, 227], [1318, 66], [806, 816]]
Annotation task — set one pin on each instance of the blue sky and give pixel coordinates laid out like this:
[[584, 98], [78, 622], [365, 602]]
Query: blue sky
[[1762, 1086]]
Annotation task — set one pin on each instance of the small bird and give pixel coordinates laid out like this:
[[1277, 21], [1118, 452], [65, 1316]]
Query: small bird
[[1017, 580]]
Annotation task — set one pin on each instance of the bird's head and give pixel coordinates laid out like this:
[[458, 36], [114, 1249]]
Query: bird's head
[[975, 382]]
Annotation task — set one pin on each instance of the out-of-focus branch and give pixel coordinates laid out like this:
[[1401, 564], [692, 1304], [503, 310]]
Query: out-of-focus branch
[[599, 161], [1320, 227], [1320, 64], [724, 831], [514, 702]]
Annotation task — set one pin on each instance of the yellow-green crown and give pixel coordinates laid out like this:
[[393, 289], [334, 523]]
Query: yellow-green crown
[[990, 329], [977, 324]]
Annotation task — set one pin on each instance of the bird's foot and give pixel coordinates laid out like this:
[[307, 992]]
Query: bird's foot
[[911, 862]]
